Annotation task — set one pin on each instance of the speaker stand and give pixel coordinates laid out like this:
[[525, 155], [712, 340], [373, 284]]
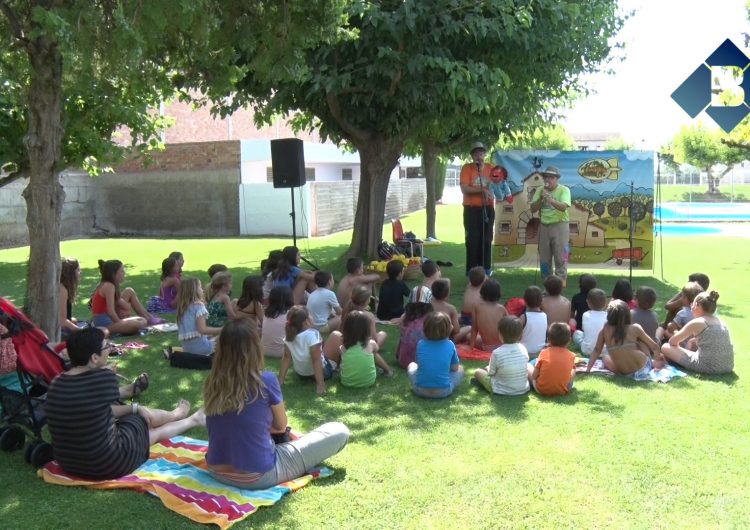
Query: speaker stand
[[293, 215]]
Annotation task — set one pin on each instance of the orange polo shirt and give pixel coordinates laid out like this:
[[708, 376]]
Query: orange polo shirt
[[470, 177], [555, 364]]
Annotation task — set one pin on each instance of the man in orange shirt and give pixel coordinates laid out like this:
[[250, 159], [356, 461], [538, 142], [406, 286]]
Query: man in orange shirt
[[479, 209]]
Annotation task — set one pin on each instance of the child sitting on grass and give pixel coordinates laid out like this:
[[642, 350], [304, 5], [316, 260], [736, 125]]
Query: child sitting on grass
[[411, 331], [593, 321], [359, 301], [506, 374], [623, 291], [555, 369], [250, 303], [555, 305], [431, 273], [643, 314], [359, 353], [192, 328], [675, 303], [303, 349], [392, 292], [437, 371], [220, 307], [684, 315], [487, 313], [441, 290], [166, 301], [578, 304], [534, 321], [477, 276], [714, 352], [355, 277], [323, 305], [629, 350]]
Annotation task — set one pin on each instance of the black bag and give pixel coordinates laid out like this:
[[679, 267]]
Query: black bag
[[182, 359], [387, 251]]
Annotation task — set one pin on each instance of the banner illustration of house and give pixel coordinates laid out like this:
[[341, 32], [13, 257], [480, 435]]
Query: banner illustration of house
[[612, 195]]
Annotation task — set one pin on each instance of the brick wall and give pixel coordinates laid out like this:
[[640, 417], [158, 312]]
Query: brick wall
[[195, 156], [197, 125]]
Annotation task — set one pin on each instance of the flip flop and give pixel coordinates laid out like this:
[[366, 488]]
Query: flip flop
[[140, 384], [444, 263]]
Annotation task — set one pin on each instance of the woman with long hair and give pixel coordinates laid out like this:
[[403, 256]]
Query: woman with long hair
[[245, 410]]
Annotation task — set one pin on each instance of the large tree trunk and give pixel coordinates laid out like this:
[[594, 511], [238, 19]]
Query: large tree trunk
[[377, 157], [430, 165], [44, 194]]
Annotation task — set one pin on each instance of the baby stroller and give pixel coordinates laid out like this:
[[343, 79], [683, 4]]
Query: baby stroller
[[37, 364]]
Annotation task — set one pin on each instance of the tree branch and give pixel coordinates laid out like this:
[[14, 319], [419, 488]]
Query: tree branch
[[11, 178], [15, 24], [738, 145], [357, 134]]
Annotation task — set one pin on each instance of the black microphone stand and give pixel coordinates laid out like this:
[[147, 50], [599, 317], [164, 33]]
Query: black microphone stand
[[485, 217]]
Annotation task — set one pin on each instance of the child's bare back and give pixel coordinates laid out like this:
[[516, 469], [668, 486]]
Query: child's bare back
[[471, 299], [484, 331], [557, 308]]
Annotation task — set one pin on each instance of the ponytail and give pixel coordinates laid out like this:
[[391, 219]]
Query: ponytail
[[295, 322]]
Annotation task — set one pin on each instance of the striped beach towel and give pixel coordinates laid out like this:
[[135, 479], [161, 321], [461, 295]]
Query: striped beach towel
[[176, 473]]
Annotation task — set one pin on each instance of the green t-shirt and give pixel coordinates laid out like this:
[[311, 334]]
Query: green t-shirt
[[549, 215], [357, 367]]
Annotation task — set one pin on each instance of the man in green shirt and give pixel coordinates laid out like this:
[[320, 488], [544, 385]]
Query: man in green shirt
[[553, 202]]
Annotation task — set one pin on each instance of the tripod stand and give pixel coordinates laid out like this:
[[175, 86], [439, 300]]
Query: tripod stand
[[293, 215]]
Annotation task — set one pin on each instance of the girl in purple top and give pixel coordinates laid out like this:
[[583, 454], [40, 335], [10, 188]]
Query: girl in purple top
[[166, 302], [245, 412]]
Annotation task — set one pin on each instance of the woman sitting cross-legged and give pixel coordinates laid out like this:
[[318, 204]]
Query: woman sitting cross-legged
[[92, 435], [245, 412]]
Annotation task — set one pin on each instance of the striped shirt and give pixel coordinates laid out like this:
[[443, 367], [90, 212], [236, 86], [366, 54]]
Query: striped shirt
[[87, 439], [508, 370]]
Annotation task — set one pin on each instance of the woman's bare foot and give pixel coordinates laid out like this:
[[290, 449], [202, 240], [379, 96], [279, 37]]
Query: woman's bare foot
[[199, 417], [182, 409]]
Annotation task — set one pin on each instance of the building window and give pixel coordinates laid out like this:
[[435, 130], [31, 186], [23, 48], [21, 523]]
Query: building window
[[573, 229], [505, 228], [269, 174], [507, 208], [310, 174], [594, 233], [346, 173]]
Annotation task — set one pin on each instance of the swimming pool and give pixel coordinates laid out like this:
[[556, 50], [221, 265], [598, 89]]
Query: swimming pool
[[703, 211], [685, 229]]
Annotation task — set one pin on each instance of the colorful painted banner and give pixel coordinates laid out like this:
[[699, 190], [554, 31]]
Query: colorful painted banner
[[612, 195]]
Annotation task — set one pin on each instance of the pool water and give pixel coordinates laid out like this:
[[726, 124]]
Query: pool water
[[703, 211], [685, 229]]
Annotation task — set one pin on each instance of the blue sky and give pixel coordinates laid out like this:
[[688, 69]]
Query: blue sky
[[664, 42]]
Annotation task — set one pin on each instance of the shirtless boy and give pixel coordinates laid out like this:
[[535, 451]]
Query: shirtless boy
[[487, 314]]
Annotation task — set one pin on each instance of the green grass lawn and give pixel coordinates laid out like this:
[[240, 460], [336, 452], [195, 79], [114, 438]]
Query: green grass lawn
[[696, 193], [614, 453]]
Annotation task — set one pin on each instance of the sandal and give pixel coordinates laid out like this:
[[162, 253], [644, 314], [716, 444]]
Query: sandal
[[140, 384], [167, 352]]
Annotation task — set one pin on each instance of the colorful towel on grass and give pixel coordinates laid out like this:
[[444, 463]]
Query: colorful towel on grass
[[467, 353], [664, 375], [176, 473]]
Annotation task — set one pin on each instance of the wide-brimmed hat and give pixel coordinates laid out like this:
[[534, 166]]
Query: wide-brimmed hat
[[551, 171], [477, 145]]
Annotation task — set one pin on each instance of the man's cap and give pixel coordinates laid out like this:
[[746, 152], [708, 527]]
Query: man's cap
[[551, 171], [477, 145]]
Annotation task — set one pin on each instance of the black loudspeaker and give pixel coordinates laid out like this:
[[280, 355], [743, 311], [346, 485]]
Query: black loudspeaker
[[288, 159]]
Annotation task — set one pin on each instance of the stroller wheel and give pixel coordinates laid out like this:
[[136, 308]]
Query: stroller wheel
[[41, 454], [12, 438]]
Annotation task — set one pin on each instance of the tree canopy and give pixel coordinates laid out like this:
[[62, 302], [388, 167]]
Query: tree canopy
[[74, 72], [703, 148], [437, 71]]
